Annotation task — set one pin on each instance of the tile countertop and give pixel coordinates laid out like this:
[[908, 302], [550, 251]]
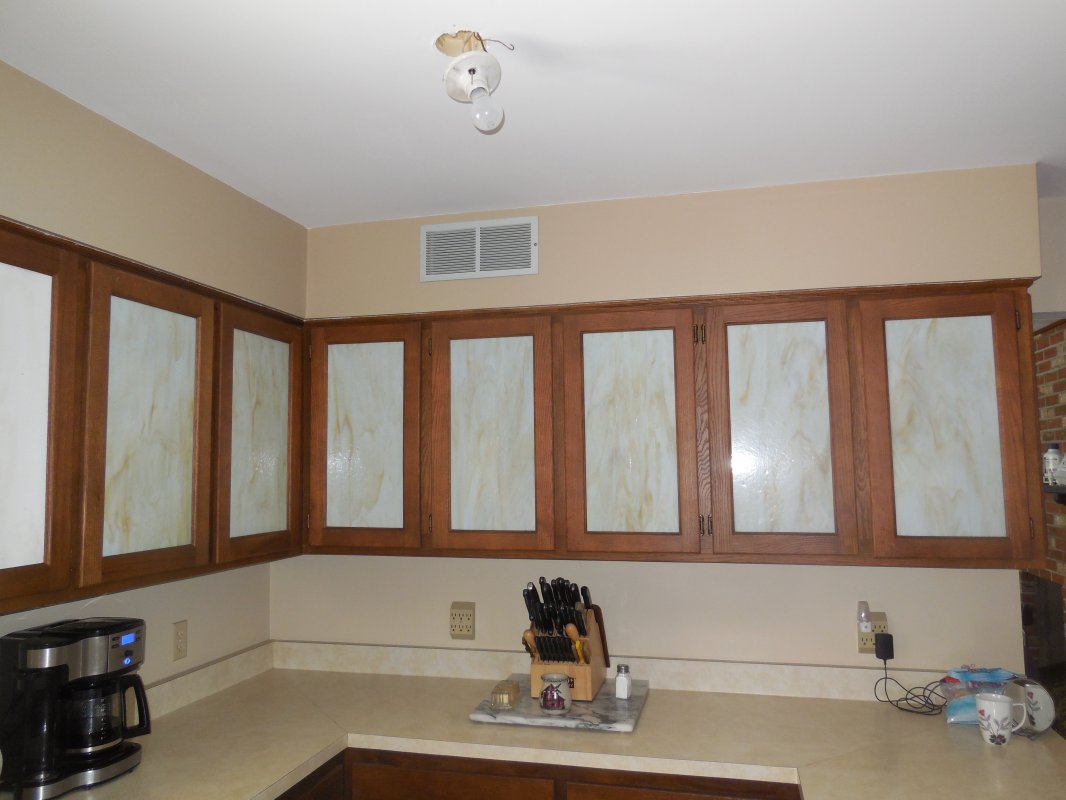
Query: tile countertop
[[258, 738]]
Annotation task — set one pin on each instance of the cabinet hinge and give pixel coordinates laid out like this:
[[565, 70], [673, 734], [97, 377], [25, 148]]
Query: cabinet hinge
[[429, 345], [1017, 319], [430, 524], [307, 521], [1032, 528], [310, 350], [705, 525], [699, 334]]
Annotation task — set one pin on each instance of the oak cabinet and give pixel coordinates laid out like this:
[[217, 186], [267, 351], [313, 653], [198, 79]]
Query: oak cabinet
[[952, 455], [491, 437], [630, 435], [258, 424], [386, 775], [40, 361], [328, 782], [781, 428], [148, 442], [364, 429]]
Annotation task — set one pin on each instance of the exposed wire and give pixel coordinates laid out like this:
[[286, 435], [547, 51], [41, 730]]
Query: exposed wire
[[926, 700], [497, 41]]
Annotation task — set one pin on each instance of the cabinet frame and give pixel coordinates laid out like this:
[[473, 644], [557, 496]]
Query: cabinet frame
[[578, 537], [65, 386], [1014, 393], [320, 535], [107, 282], [725, 538], [268, 543], [443, 536]]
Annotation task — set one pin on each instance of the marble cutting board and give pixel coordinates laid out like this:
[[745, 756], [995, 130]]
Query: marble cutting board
[[604, 713]]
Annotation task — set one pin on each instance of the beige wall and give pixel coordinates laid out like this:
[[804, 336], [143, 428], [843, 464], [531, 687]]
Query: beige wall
[[69, 171], [942, 226], [227, 612], [1049, 293], [729, 612]]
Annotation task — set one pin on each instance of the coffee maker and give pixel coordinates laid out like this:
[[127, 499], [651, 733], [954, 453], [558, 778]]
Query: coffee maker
[[63, 720]]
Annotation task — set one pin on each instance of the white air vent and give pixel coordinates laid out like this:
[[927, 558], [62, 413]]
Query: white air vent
[[486, 249]]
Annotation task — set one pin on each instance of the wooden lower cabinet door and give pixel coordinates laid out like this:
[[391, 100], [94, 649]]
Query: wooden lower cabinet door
[[380, 782], [589, 791], [325, 783]]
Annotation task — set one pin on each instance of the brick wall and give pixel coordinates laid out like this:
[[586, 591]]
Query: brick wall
[[1050, 349]]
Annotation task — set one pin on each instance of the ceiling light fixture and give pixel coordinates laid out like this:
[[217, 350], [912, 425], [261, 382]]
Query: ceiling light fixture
[[472, 76]]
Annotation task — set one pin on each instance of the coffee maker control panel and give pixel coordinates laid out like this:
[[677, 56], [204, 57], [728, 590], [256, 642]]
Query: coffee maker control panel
[[126, 650], [87, 648]]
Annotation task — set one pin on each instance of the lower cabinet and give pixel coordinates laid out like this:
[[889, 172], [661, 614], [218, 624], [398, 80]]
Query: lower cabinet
[[382, 775], [325, 783]]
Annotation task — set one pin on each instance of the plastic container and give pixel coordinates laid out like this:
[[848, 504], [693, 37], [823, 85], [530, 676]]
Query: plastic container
[[1052, 460]]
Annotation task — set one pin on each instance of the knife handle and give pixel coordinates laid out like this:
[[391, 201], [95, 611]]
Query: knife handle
[[571, 631], [586, 596], [531, 644]]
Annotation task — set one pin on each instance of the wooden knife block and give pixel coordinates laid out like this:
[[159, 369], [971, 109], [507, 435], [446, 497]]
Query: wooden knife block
[[585, 679]]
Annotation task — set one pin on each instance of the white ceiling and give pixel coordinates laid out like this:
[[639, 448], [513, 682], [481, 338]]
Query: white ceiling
[[332, 111]]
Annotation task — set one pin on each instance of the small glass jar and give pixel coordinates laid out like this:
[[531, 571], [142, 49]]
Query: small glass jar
[[623, 685]]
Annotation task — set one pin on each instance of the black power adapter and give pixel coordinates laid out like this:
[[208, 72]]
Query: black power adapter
[[883, 647]]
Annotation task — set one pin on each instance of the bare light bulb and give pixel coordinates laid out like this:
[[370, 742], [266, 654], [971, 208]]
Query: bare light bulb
[[487, 112]]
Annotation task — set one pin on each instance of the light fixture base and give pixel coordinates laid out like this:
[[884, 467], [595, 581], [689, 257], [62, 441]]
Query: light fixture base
[[472, 69]]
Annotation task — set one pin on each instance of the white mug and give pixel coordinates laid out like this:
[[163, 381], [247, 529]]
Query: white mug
[[995, 713]]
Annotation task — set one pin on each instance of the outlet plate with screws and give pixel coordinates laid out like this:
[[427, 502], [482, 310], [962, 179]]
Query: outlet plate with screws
[[461, 621], [879, 622], [181, 639]]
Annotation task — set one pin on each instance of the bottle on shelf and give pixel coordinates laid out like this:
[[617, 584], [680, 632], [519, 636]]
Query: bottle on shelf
[[1052, 460], [622, 685]]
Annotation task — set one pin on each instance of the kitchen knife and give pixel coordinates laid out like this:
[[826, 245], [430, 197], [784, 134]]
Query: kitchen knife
[[546, 592], [571, 632], [527, 595], [530, 641]]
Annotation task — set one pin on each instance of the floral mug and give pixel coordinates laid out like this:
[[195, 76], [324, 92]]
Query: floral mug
[[995, 713]]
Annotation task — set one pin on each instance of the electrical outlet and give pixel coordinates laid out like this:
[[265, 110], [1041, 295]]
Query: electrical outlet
[[461, 622], [879, 623], [181, 639]]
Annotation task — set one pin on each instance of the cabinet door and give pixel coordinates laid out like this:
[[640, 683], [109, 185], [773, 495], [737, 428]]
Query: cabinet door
[[258, 475], [40, 288], [492, 434], [365, 435], [944, 401], [630, 432], [148, 439], [781, 446]]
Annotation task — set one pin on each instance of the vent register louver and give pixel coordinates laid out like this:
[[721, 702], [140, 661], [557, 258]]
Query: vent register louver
[[484, 249]]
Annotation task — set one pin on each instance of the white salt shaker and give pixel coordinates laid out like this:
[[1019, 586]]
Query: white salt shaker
[[622, 684]]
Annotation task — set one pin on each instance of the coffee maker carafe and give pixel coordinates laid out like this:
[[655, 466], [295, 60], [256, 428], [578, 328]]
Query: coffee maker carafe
[[63, 690]]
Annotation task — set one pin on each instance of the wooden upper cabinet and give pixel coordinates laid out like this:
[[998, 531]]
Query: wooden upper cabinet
[[946, 417], [781, 428], [492, 467], [40, 360], [258, 436], [364, 449], [148, 428], [630, 439]]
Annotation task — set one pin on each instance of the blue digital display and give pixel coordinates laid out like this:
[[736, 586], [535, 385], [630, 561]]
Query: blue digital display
[[127, 638]]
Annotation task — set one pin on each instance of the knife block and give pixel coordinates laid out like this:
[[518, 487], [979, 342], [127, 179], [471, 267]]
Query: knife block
[[585, 679]]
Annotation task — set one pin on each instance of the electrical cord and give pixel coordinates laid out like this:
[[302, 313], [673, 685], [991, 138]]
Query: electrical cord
[[925, 700]]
